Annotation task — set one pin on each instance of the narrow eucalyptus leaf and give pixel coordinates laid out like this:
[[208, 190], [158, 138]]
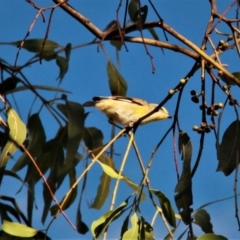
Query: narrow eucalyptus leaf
[[166, 207], [35, 45], [117, 83], [16, 137], [37, 139], [183, 189], [99, 226], [228, 151], [63, 67], [133, 10]]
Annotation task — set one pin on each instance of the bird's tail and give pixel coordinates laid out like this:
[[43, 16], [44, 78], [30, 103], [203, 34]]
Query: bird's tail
[[89, 104]]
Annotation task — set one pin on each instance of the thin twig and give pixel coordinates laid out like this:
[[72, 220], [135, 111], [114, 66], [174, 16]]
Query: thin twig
[[88, 167], [114, 195]]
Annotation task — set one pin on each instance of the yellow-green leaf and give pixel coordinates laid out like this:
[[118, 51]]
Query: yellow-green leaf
[[113, 174], [99, 226], [17, 135], [211, 236], [132, 233], [104, 185], [110, 171], [37, 139], [18, 229]]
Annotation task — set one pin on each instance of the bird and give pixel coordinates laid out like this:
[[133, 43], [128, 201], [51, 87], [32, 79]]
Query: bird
[[127, 110]]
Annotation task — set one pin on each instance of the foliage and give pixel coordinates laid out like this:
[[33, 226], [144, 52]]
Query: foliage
[[57, 159]]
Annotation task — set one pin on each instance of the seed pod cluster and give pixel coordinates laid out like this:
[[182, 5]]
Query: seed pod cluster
[[204, 127]]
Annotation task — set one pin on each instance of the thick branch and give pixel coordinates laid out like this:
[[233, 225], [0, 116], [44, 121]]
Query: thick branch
[[160, 44], [114, 35], [80, 18]]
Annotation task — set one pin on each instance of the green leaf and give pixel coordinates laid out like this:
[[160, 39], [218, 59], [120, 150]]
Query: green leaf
[[18, 230], [211, 236], [111, 26], [124, 226], [63, 66], [68, 49], [46, 55], [183, 198], [114, 174], [13, 175], [146, 230], [202, 219], [5, 209], [133, 232], [118, 85], [153, 33], [185, 146], [9, 84], [104, 185], [166, 207], [71, 196], [133, 10], [37, 139], [30, 200], [82, 228], [47, 88], [43, 161], [155, 36], [35, 45], [228, 151], [93, 139], [75, 127], [57, 161], [17, 135], [143, 16], [99, 226]]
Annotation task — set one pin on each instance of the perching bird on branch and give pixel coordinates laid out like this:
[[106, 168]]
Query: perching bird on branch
[[126, 111]]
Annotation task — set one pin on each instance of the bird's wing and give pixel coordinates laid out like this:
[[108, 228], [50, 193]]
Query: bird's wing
[[129, 100]]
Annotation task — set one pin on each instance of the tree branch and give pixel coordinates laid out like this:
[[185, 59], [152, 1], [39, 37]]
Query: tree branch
[[114, 35]]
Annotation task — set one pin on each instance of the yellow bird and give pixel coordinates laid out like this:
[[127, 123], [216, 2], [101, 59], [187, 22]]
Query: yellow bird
[[126, 111]]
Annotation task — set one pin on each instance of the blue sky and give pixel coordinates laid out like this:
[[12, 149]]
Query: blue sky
[[87, 77]]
